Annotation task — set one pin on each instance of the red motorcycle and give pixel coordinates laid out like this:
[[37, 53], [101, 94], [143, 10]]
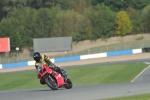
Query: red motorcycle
[[54, 79]]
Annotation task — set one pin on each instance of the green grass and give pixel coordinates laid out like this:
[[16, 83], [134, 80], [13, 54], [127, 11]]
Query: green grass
[[79, 75], [105, 74], [19, 80], [135, 97]]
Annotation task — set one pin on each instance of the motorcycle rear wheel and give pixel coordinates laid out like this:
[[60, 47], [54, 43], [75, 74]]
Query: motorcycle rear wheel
[[69, 84]]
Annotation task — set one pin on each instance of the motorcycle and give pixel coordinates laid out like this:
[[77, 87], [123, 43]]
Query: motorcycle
[[53, 79]]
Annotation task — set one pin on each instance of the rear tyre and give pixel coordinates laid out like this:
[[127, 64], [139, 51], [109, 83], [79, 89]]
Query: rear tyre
[[69, 84], [50, 81]]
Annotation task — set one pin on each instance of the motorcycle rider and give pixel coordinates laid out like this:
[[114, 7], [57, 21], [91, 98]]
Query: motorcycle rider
[[43, 59]]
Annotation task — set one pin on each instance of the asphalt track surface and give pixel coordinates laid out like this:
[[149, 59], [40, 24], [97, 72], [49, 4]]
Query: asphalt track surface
[[139, 85]]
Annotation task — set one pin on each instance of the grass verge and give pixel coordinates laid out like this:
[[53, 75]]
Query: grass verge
[[79, 75], [135, 97]]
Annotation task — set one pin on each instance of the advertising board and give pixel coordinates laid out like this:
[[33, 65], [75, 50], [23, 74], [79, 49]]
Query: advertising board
[[4, 44]]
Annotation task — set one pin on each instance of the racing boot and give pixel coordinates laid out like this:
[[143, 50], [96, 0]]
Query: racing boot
[[62, 72]]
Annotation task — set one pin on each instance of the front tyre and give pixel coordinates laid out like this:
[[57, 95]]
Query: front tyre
[[69, 84], [50, 81]]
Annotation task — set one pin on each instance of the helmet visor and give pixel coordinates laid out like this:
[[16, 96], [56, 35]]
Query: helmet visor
[[37, 59]]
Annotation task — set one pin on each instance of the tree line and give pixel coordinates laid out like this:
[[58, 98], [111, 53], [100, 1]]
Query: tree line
[[23, 20]]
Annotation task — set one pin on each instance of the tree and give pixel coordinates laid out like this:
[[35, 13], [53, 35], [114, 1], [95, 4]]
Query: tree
[[136, 20], [85, 30], [30, 17], [10, 6], [146, 19], [80, 5], [67, 23], [123, 22], [117, 5], [44, 23], [103, 22]]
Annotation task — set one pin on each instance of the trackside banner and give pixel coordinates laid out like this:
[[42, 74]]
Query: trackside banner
[[4, 44]]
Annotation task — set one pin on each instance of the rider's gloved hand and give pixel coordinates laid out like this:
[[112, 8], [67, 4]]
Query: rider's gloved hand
[[51, 65]]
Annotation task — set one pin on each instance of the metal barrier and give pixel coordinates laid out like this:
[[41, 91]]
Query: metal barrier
[[81, 57]]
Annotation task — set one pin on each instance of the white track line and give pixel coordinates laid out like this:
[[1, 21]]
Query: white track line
[[140, 73]]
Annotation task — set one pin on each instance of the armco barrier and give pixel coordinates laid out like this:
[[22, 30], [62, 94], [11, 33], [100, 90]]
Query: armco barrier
[[0, 66], [90, 56], [65, 59], [12, 65], [118, 53], [146, 49], [134, 51]]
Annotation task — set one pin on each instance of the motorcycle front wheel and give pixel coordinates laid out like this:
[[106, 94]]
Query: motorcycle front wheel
[[50, 81]]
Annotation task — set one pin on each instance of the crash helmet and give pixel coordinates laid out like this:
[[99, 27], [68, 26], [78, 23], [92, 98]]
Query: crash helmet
[[37, 56]]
